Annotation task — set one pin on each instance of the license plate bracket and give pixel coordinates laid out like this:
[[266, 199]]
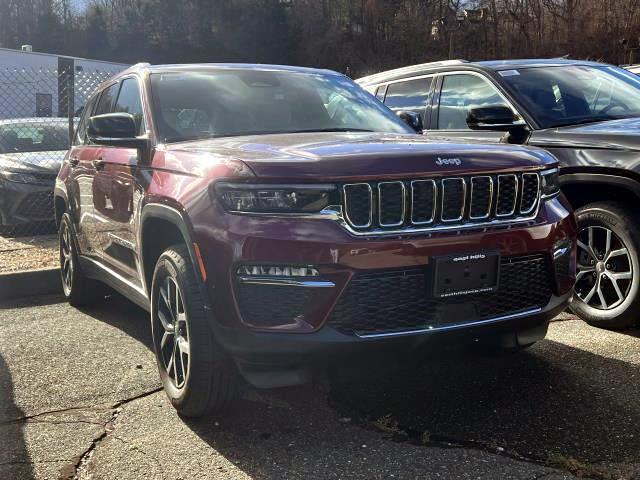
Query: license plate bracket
[[466, 274]]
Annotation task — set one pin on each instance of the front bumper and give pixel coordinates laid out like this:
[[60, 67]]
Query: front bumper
[[25, 203], [261, 336], [269, 360]]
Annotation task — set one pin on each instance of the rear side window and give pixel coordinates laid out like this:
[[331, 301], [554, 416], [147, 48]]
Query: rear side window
[[410, 95], [106, 99], [129, 101], [461, 93], [380, 92]]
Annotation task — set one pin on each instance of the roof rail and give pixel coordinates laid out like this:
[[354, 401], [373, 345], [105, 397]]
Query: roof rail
[[410, 68]]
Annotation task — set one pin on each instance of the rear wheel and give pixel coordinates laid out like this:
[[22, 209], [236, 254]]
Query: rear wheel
[[197, 376], [607, 293], [78, 289]]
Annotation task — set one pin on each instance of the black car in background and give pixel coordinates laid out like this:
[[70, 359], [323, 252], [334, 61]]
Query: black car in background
[[31, 152], [587, 114]]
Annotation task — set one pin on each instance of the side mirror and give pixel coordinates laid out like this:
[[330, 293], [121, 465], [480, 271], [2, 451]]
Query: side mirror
[[413, 119], [497, 117], [116, 130]]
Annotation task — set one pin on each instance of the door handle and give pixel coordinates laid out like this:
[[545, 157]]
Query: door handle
[[74, 161], [98, 163]]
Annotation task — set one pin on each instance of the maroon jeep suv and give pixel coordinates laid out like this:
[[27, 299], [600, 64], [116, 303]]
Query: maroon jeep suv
[[277, 219]]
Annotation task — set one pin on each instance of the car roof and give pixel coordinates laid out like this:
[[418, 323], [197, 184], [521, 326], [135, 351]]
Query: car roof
[[147, 68], [487, 65], [186, 67]]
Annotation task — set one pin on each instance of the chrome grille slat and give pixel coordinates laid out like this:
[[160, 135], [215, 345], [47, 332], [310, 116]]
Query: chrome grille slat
[[356, 210], [461, 198], [383, 204], [504, 195], [476, 198], [530, 192], [416, 205]]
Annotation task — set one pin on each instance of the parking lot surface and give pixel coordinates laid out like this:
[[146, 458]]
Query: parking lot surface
[[80, 398]]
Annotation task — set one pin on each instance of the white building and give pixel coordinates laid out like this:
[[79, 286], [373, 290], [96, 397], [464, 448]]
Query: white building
[[37, 84]]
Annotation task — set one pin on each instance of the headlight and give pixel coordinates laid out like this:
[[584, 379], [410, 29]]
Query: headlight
[[19, 177], [240, 197], [550, 183]]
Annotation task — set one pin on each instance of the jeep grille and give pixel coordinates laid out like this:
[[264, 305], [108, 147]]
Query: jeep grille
[[424, 204]]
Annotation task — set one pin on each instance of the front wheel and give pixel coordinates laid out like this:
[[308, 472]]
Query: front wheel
[[606, 291], [197, 376]]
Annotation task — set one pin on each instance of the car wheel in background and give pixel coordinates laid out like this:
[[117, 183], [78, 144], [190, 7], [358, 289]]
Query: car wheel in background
[[78, 289], [607, 292], [197, 376]]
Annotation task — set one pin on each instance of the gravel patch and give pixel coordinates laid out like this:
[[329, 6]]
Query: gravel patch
[[28, 253]]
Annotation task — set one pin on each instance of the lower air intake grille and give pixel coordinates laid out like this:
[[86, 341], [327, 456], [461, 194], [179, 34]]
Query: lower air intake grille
[[396, 301], [270, 305]]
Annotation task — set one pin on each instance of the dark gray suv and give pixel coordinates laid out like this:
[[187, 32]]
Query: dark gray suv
[[587, 114]]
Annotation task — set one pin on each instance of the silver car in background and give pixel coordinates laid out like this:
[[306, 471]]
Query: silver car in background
[[31, 152]]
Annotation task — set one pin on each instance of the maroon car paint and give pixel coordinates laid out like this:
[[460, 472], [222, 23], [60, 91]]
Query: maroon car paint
[[181, 175], [110, 191]]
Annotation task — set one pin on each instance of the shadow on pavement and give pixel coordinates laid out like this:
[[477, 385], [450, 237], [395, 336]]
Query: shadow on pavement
[[124, 315], [15, 461], [550, 400], [553, 399], [635, 332]]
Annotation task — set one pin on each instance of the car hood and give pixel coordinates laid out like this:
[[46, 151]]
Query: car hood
[[353, 155], [33, 162], [623, 134]]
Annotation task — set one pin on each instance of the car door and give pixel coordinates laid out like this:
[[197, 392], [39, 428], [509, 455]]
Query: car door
[[410, 95], [456, 94], [120, 194], [80, 184]]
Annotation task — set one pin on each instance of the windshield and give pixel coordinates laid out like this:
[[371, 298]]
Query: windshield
[[246, 102], [574, 94], [33, 137]]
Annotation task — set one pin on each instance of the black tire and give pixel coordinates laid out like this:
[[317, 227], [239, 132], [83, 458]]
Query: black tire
[[613, 313], [78, 289], [204, 380]]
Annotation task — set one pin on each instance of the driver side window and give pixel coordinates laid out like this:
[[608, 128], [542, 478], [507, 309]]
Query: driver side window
[[461, 93]]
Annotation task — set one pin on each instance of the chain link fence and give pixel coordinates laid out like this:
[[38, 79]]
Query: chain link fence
[[39, 109]]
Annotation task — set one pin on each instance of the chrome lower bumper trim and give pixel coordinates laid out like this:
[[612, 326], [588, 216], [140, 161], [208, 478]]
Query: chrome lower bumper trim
[[286, 282], [456, 326]]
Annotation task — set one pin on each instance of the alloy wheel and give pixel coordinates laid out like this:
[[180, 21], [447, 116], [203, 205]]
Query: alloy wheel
[[605, 271], [66, 257], [173, 334]]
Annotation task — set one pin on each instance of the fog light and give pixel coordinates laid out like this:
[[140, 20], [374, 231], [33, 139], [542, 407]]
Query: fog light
[[276, 271]]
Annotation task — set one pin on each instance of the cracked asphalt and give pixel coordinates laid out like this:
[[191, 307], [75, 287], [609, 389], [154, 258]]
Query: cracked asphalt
[[80, 398]]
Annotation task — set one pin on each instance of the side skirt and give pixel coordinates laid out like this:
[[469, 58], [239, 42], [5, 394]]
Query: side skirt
[[97, 271]]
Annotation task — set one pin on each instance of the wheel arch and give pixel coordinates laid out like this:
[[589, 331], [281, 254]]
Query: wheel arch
[[582, 188], [60, 206], [160, 227]]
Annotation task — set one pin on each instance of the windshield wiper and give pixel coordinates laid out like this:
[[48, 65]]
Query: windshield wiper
[[205, 136], [333, 129], [585, 121]]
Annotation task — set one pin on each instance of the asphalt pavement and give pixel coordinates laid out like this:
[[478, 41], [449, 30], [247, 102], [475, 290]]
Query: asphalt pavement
[[80, 398]]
